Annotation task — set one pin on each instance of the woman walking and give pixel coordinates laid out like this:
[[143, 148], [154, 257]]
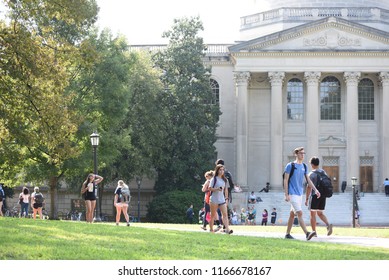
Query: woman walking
[[88, 191], [24, 202], [121, 201], [37, 200], [219, 197], [208, 176]]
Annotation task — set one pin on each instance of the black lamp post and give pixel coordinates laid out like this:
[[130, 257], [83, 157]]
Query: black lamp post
[[94, 138], [354, 183], [138, 181]]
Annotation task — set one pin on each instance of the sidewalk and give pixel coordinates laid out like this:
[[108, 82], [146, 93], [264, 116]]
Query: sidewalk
[[351, 240]]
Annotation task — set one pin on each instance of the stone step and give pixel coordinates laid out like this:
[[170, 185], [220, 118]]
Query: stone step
[[374, 208]]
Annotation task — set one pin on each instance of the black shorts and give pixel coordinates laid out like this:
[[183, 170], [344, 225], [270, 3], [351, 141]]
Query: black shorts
[[317, 203], [37, 205]]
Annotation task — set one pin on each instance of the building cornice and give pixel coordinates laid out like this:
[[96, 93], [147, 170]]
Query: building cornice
[[310, 53]]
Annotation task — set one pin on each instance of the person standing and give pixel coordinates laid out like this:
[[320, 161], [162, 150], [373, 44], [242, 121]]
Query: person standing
[[295, 172], [273, 217], [265, 214], [24, 202], [37, 203], [207, 194], [357, 214], [234, 217], [219, 198], [190, 214], [121, 201], [243, 216], [2, 197], [88, 190], [316, 205], [386, 186]]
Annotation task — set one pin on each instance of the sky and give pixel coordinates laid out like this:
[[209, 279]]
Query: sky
[[144, 21]]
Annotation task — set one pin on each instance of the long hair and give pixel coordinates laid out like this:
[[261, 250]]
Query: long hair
[[87, 181], [217, 168], [122, 184]]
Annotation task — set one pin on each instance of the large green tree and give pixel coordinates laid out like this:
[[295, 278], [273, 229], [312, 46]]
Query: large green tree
[[40, 47], [188, 110]]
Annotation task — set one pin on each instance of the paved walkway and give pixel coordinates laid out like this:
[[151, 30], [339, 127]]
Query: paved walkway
[[352, 240]]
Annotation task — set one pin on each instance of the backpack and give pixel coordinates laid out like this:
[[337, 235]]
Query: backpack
[[126, 194], [292, 171], [228, 176], [324, 183], [38, 198]]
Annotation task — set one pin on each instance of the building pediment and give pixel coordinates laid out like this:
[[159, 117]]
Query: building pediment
[[329, 34], [332, 141]]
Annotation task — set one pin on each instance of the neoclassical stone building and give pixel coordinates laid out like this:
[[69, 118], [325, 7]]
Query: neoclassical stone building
[[306, 73]]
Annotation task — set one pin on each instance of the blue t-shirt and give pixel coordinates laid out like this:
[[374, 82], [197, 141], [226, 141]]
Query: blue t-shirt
[[296, 181]]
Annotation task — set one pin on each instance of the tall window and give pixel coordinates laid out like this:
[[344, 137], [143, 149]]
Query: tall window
[[330, 99], [295, 100], [366, 100], [215, 92]]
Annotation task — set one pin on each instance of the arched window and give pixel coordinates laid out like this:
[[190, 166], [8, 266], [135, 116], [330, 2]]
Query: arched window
[[366, 100], [295, 100], [330, 99], [215, 92]]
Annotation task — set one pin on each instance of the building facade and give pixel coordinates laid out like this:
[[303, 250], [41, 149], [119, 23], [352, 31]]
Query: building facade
[[306, 73]]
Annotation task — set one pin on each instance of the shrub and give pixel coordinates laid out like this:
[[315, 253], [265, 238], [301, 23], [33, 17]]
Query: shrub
[[170, 207]]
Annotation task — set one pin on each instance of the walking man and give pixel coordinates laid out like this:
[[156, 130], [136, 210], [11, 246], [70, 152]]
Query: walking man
[[295, 172], [315, 204]]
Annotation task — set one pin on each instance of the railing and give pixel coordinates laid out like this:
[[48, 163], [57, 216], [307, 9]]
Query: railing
[[215, 49], [293, 14]]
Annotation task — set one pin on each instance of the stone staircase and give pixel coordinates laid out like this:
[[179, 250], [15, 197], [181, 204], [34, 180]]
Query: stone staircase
[[374, 208]]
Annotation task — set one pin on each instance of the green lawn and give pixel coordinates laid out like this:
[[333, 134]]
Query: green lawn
[[27, 239]]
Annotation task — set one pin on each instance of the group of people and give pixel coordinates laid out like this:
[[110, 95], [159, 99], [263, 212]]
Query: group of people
[[248, 217], [217, 195], [121, 198], [254, 199], [35, 199]]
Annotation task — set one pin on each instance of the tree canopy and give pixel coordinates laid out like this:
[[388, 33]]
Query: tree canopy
[[187, 105]]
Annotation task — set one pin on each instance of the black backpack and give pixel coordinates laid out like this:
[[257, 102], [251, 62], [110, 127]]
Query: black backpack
[[228, 176], [38, 198], [324, 184]]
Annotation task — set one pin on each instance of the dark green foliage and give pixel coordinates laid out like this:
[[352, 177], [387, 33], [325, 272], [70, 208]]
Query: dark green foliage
[[189, 116], [170, 207], [8, 192]]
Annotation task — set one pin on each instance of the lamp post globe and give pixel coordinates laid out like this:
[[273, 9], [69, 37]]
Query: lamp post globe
[[95, 138]]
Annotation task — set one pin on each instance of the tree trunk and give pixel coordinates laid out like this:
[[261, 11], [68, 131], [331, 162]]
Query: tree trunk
[[53, 195]]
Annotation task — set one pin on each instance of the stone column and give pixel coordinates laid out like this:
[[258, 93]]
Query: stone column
[[276, 129], [242, 80], [352, 79], [384, 108], [313, 112]]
